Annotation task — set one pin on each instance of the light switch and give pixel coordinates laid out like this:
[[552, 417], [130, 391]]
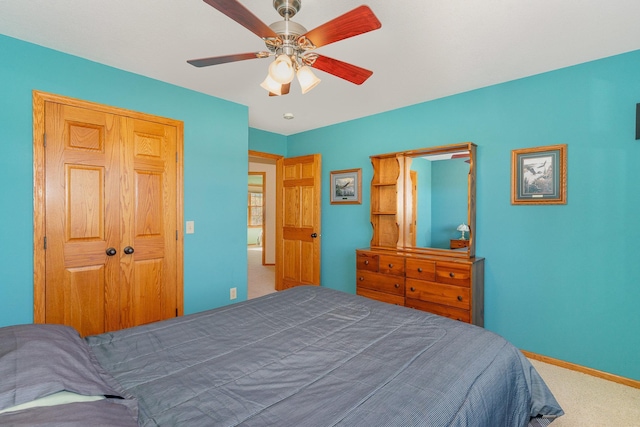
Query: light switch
[[190, 227]]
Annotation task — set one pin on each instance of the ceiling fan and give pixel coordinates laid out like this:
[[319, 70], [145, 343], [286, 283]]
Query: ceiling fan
[[293, 46]]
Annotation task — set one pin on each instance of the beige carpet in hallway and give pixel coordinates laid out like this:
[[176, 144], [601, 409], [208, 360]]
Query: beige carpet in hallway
[[261, 279]]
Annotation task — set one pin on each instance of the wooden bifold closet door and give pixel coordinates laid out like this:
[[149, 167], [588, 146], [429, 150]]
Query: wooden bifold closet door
[[112, 238]]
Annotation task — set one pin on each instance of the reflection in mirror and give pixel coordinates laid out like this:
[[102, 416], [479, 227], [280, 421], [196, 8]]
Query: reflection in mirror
[[439, 186]]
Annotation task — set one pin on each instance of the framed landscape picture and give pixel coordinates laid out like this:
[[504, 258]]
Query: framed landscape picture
[[346, 186], [539, 175]]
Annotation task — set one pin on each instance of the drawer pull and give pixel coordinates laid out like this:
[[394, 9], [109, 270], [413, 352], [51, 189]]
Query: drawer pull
[[361, 278], [397, 286], [413, 289], [366, 262], [452, 275], [459, 298], [390, 265], [419, 270]]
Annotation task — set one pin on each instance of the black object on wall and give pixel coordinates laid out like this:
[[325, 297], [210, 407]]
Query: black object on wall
[[637, 121]]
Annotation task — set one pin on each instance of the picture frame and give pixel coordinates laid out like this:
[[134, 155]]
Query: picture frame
[[346, 187], [539, 175]]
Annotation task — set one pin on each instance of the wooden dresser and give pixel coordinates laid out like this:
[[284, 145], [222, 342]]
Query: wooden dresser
[[447, 286], [415, 257]]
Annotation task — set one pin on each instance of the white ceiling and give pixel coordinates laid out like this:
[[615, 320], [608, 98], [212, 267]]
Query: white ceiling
[[426, 49]]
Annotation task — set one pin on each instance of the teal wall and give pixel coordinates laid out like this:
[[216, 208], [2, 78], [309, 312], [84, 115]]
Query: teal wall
[[560, 280], [267, 142], [215, 151]]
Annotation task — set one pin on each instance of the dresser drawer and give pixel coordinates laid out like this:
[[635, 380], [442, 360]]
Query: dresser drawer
[[458, 244], [380, 282], [453, 273], [422, 269], [439, 309], [391, 264], [381, 296], [367, 261], [454, 296]]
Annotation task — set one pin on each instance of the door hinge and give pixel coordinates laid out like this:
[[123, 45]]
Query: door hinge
[[44, 139], [176, 234], [176, 312], [176, 157], [45, 243]]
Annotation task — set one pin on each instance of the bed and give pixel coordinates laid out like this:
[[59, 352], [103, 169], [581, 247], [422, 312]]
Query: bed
[[308, 356]]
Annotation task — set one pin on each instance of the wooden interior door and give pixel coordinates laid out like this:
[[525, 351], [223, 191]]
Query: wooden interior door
[[82, 218], [148, 291], [110, 218], [298, 228]]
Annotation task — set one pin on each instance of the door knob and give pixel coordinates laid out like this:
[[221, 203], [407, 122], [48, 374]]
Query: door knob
[[111, 251], [314, 235], [128, 250]]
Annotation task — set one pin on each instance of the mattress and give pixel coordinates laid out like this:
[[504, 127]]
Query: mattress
[[312, 356]]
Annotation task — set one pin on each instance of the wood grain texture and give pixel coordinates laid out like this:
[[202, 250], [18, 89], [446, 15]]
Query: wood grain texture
[[353, 23], [298, 220], [451, 287], [344, 70], [89, 196], [236, 11]]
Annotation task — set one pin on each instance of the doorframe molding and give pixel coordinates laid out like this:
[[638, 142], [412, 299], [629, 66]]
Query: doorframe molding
[[39, 196]]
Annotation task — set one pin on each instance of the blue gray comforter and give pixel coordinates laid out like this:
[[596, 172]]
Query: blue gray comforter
[[311, 356]]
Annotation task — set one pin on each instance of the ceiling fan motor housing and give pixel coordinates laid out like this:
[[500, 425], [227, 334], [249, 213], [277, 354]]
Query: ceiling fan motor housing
[[287, 8], [289, 33]]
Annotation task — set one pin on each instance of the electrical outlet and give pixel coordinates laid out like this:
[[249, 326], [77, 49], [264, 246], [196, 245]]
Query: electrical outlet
[[233, 293]]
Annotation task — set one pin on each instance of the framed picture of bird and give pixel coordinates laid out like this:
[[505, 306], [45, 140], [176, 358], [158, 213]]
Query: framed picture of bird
[[346, 186], [539, 175]]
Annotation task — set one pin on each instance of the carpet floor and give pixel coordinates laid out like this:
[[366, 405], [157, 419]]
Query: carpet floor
[[261, 279], [589, 401]]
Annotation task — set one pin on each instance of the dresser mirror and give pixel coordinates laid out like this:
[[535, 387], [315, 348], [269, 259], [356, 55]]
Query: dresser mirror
[[435, 195]]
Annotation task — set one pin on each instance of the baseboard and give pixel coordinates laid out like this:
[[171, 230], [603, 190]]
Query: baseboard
[[589, 371]]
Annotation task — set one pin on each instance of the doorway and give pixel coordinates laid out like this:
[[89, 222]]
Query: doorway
[[261, 259]]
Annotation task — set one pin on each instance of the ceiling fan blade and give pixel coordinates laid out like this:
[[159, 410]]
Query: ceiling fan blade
[[358, 21], [236, 11], [215, 60], [341, 69]]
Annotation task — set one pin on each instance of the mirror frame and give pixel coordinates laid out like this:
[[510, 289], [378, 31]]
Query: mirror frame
[[404, 210]]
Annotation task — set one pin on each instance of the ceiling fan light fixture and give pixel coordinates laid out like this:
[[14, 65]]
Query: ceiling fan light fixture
[[271, 86], [281, 70], [307, 79]]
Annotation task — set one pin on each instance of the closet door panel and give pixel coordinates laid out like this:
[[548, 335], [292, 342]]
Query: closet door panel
[[148, 200], [81, 218]]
